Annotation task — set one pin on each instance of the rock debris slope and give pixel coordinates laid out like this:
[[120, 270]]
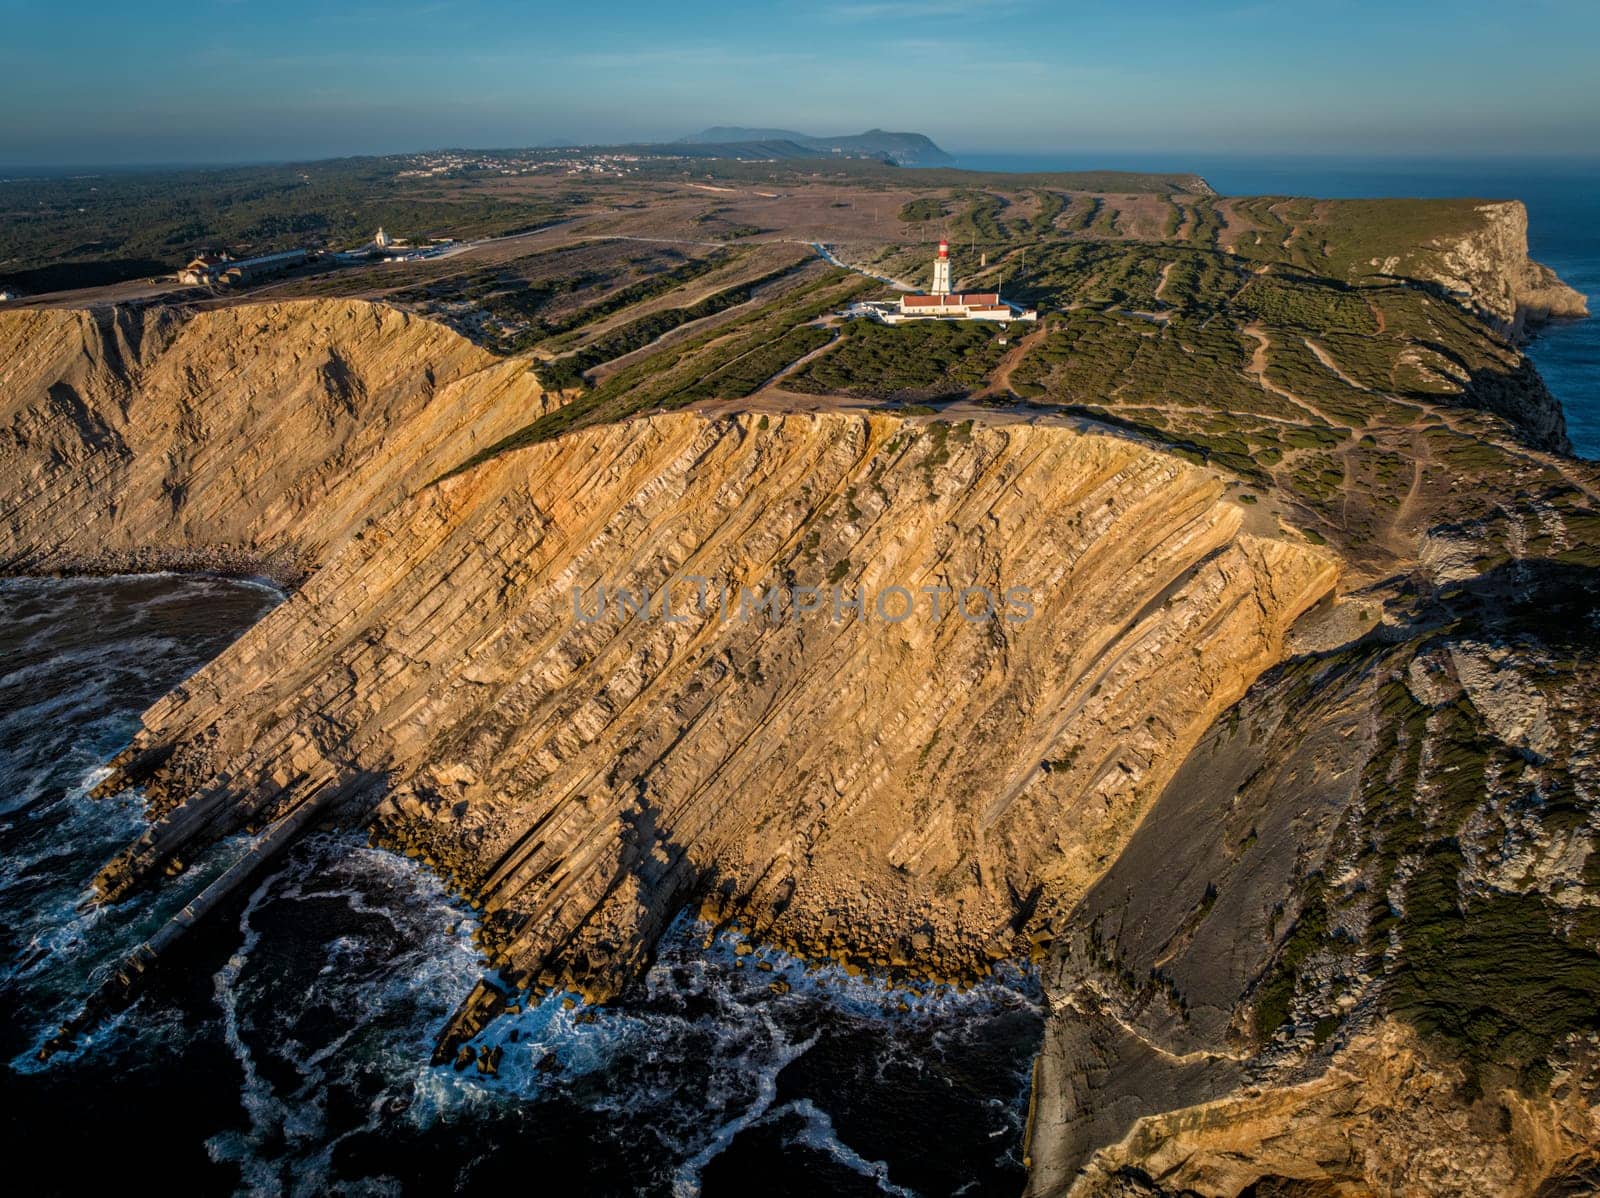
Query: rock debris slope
[[1368, 967]]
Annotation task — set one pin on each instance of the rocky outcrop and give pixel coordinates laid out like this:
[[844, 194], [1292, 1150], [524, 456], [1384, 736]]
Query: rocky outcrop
[[918, 792], [601, 677], [250, 438], [1490, 267], [1386, 1117], [1521, 397], [1370, 966]]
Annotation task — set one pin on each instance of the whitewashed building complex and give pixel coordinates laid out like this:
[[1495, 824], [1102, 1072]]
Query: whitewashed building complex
[[941, 303]]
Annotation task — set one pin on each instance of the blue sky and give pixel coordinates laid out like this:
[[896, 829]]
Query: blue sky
[[242, 80]]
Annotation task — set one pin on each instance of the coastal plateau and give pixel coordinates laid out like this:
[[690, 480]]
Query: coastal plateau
[[1285, 778]]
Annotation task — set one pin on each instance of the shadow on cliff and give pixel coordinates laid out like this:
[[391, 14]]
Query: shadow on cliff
[[651, 881], [93, 431], [68, 276], [1553, 602], [1517, 396], [1548, 607]]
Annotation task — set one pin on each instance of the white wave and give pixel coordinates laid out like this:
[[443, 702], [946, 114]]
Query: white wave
[[686, 1179], [820, 1136], [387, 1002]]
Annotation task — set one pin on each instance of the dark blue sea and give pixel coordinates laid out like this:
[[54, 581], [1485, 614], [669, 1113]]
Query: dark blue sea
[[1562, 195]]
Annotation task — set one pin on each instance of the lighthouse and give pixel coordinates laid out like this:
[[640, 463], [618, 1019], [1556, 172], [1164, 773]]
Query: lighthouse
[[941, 269], [941, 303]]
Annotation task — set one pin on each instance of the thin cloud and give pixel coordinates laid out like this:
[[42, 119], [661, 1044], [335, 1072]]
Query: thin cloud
[[914, 10], [683, 56]]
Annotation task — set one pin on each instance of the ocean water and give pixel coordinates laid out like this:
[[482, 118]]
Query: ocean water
[[285, 1048], [1562, 195]]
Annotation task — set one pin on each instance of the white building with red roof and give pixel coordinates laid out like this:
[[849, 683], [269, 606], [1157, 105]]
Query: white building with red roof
[[941, 303]]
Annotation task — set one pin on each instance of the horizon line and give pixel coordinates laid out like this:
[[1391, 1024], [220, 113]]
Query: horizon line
[[7, 168]]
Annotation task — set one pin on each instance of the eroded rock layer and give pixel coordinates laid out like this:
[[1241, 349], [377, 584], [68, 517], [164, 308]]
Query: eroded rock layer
[[249, 438], [1386, 1117], [1301, 943], [912, 792]]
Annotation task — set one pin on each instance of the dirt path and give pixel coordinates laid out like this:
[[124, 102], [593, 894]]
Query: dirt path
[[683, 332], [775, 401], [1258, 370], [801, 362], [1329, 364], [1000, 380], [1421, 459], [1166, 274], [828, 256], [722, 278]]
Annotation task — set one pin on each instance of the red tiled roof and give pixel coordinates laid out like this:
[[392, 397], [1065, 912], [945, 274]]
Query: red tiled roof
[[971, 299]]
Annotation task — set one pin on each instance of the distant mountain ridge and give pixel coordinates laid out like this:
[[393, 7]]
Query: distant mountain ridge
[[904, 149]]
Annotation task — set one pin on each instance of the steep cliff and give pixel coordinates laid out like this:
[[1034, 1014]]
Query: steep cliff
[[1372, 955], [1265, 904], [1490, 267], [251, 438], [913, 791]]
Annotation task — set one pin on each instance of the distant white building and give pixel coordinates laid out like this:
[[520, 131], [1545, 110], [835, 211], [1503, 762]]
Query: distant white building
[[249, 270], [203, 269], [384, 248]]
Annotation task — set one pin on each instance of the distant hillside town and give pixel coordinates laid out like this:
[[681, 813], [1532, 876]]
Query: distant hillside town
[[721, 142]]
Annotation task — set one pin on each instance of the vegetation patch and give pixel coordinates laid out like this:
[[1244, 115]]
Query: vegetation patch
[[568, 372], [927, 359], [922, 209], [1492, 974], [678, 375]]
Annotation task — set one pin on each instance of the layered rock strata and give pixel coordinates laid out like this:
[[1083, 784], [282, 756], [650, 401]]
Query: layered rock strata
[[251, 438], [915, 792]]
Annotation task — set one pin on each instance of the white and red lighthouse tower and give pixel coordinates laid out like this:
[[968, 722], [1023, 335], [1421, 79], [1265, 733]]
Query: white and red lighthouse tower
[[941, 269]]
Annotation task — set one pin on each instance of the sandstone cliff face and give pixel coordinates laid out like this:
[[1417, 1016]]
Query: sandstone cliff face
[[247, 438], [905, 793], [1386, 1117], [1492, 269], [930, 793]]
